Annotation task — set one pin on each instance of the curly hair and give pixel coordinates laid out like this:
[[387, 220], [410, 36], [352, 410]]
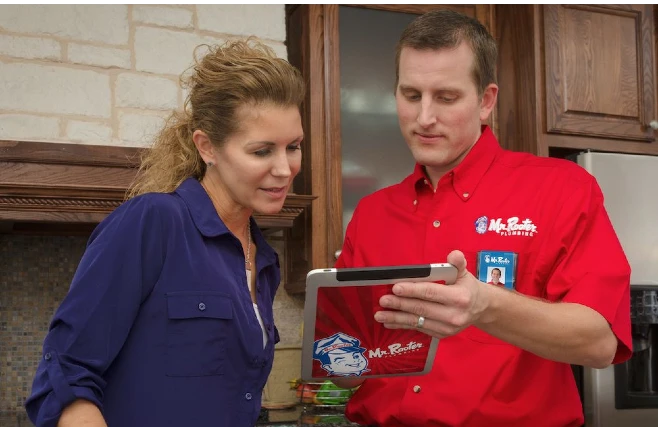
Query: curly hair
[[229, 76]]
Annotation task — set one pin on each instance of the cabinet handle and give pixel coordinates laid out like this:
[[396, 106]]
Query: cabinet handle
[[653, 124]]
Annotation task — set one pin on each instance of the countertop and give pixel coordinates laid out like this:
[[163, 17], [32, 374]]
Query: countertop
[[305, 416], [298, 416]]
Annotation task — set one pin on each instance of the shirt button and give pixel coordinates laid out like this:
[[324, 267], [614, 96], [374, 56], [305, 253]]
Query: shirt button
[[415, 202], [426, 183], [202, 306], [465, 194], [416, 389], [47, 356], [247, 396], [436, 223]]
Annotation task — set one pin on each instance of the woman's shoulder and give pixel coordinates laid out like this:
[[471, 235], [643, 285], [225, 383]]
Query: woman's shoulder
[[148, 208]]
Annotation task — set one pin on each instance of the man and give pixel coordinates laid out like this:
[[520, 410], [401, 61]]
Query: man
[[495, 277], [504, 355]]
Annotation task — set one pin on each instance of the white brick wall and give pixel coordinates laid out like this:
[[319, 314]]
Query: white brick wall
[[108, 74]]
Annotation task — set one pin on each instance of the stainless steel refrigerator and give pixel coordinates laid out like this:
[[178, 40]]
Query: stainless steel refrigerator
[[626, 395]]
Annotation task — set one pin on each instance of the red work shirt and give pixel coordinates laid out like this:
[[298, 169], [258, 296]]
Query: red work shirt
[[567, 251]]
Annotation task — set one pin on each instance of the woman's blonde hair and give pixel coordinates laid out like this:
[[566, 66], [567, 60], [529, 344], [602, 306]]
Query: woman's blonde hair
[[235, 74]]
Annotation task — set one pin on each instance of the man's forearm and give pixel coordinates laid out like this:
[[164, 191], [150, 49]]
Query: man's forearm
[[81, 413], [564, 332]]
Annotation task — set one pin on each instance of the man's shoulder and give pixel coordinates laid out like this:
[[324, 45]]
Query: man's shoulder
[[544, 168]]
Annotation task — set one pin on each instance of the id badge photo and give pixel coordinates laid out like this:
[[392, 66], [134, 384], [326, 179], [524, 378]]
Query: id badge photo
[[497, 268]]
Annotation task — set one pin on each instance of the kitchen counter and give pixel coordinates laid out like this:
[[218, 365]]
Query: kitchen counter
[[299, 416], [304, 416]]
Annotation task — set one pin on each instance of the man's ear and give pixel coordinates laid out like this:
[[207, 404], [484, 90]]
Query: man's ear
[[204, 146], [489, 97]]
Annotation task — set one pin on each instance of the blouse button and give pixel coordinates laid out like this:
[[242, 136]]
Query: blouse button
[[465, 195], [436, 223], [416, 389], [202, 306]]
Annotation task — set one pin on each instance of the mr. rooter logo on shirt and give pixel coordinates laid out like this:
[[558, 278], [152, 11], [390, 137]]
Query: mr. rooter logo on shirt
[[512, 226]]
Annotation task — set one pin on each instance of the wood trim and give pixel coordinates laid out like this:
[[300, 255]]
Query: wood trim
[[519, 72], [600, 144], [69, 154], [333, 132], [418, 9], [72, 183]]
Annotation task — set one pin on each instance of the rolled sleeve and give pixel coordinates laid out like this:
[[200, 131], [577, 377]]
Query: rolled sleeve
[[119, 268], [592, 268]]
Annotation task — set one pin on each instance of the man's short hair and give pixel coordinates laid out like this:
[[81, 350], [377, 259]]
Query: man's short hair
[[447, 29]]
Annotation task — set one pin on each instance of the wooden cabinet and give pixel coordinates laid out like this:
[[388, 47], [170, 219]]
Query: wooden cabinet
[[576, 77], [313, 42]]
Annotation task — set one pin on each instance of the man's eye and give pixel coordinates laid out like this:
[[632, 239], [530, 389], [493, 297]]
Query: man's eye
[[413, 97]]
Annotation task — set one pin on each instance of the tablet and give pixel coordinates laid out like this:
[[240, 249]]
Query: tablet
[[341, 337]]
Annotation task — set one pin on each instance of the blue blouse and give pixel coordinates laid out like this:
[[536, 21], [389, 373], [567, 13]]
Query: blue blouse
[[158, 327]]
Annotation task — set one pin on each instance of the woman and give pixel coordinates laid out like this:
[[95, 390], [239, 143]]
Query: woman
[[168, 321]]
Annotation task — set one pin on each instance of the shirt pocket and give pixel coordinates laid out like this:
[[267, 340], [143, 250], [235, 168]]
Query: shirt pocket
[[197, 328]]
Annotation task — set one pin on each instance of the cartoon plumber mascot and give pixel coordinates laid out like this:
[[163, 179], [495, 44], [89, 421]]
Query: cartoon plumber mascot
[[341, 355]]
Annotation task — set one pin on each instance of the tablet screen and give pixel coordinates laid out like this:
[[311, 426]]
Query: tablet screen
[[349, 342]]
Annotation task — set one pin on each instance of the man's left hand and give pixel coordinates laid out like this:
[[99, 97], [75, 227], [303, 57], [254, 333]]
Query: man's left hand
[[447, 309]]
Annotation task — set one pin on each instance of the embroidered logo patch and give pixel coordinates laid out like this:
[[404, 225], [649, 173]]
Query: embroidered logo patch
[[512, 226], [481, 225]]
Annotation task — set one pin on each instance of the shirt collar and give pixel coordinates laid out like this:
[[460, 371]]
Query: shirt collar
[[207, 221], [466, 175], [469, 173]]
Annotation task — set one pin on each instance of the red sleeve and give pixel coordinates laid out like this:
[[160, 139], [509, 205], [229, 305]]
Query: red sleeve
[[346, 258], [591, 268]]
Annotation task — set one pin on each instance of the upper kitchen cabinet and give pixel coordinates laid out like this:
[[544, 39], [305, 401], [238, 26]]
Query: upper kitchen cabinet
[[352, 145], [576, 77]]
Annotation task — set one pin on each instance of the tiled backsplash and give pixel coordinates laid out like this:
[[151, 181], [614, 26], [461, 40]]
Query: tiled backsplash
[[34, 276], [35, 273]]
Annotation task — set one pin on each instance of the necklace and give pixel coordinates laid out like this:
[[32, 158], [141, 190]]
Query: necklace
[[247, 261]]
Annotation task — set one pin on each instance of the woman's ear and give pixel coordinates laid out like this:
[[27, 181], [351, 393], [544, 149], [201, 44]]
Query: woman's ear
[[204, 146]]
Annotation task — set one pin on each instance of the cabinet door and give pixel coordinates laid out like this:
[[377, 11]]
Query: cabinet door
[[341, 110], [599, 71]]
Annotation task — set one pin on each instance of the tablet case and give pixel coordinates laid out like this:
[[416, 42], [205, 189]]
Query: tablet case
[[341, 337]]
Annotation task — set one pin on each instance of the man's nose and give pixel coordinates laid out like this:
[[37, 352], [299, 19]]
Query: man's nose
[[426, 114]]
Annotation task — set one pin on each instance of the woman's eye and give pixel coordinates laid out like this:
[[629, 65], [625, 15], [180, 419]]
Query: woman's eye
[[262, 153], [294, 147]]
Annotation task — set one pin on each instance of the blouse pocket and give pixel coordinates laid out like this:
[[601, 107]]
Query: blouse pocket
[[197, 328]]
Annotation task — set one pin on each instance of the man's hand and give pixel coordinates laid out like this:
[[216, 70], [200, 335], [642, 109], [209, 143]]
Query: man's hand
[[446, 309], [564, 332]]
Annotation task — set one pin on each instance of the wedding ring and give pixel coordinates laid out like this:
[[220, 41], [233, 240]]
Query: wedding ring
[[420, 322]]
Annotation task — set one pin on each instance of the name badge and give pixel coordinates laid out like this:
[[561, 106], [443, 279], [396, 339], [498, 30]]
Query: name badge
[[497, 268]]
